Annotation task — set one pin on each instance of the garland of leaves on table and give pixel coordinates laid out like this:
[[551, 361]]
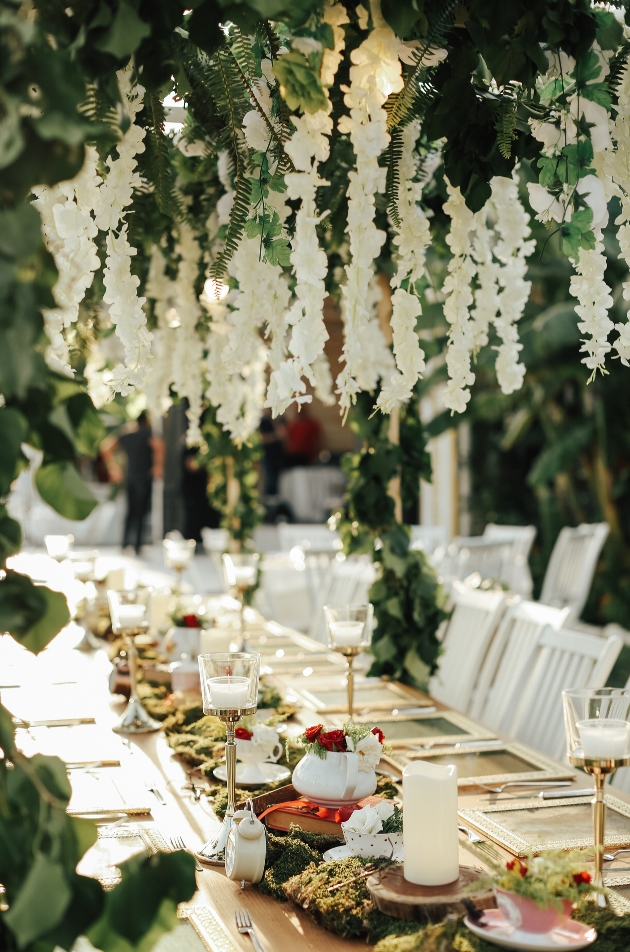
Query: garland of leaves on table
[[405, 594]]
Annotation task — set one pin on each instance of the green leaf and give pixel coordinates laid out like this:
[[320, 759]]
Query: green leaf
[[402, 17], [587, 69], [548, 170], [13, 430], [61, 486], [204, 26], [609, 31], [125, 34], [300, 86], [578, 157], [560, 455], [7, 730], [278, 252], [416, 667], [553, 88], [597, 92], [11, 138], [41, 902], [10, 536], [253, 227], [55, 618]]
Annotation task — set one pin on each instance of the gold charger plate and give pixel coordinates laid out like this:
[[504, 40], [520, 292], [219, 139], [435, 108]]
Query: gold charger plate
[[549, 825], [489, 766]]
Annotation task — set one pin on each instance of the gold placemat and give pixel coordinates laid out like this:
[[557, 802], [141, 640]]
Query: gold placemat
[[210, 929]]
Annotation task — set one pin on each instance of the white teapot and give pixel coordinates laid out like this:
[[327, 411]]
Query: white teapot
[[334, 780]]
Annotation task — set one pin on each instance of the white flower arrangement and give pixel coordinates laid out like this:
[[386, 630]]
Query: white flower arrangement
[[369, 819], [459, 297], [188, 351]]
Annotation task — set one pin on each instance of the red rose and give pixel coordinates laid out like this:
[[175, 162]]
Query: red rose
[[312, 733], [333, 740], [190, 621], [583, 877], [515, 866], [379, 734], [242, 734]]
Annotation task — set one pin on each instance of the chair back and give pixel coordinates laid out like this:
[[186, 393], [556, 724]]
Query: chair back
[[562, 659], [508, 661], [522, 539], [469, 555], [469, 631], [310, 537], [427, 538], [572, 565]]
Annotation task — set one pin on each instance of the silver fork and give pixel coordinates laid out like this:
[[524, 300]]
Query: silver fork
[[177, 843], [245, 926], [525, 783]]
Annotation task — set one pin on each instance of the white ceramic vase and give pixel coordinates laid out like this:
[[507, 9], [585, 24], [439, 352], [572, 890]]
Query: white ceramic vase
[[253, 755], [181, 643], [334, 780]]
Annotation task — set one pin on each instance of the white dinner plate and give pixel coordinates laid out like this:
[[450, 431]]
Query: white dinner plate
[[497, 930], [270, 773]]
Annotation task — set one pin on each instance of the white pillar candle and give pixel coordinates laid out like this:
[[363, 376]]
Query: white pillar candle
[[430, 835], [160, 604], [605, 739], [347, 632], [115, 579], [131, 616], [83, 571], [229, 694]]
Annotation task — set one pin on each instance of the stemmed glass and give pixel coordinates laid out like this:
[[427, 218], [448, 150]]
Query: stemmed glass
[[177, 555], [349, 633], [229, 688], [83, 567], [241, 571], [58, 546], [130, 613], [597, 725]]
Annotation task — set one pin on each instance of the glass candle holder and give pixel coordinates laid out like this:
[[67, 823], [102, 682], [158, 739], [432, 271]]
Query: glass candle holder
[[130, 614], [349, 632], [241, 573], [597, 726], [58, 546], [83, 567], [178, 554], [229, 689]]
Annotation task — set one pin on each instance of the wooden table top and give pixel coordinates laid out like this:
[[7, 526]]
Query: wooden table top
[[79, 677]]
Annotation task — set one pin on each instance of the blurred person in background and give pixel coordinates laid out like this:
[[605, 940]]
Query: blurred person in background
[[198, 513], [144, 454], [304, 437], [272, 436]]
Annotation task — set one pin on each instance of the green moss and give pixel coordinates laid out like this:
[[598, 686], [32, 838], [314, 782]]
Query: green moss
[[385, 787], [286, 857], [613, 932]]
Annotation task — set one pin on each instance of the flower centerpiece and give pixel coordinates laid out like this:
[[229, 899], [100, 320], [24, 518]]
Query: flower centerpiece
[[182, 642], [350, 754], [375, 830], [537, 893]]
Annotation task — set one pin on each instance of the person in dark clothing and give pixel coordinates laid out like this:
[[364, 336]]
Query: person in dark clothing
[[273, 461], [145, 458], [198, 511]]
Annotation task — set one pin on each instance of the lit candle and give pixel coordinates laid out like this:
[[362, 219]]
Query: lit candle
[[244, 575], [229, 694], [430, 834], [347, 632], [604, 739], [83, 571], [132, 616]]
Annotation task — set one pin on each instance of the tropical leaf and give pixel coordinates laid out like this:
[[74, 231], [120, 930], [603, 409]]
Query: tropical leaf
[[561, 454]]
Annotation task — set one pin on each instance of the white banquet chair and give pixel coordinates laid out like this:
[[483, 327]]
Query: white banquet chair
[[346, 582], [428, 538], [467, 636], [475, 555], [572, 565], [508, 661], [562, 659], [311, 537], [522, 539]]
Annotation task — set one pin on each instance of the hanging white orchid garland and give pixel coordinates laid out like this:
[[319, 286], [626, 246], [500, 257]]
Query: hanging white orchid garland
[[616, 167], [308, 146], [188, 352]]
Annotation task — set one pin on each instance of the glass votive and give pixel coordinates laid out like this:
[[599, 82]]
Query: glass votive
[[597, 723], [130, 611], [58, 546], [178, 553], [241, 569], [83, 564], [604, 739], [349, 626], [229, 681]]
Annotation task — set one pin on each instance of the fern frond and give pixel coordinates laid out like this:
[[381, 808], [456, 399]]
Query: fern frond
[[158, 165], [505, 126], [241, 49], [394, 155], [617, 65], [238, 217]]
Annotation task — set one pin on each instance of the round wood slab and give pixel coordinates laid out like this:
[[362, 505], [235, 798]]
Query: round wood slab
[[396, 897]]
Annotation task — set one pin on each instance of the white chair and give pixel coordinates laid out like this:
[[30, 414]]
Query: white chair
[[309, 537], [572, 565], [507, 663], [470, 555], [284, 594], [522, 539], [428, 538], [347, 582], [470, 629], [562, 659]]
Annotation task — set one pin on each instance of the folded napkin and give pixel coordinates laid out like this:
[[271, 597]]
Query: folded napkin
[[111, 790]]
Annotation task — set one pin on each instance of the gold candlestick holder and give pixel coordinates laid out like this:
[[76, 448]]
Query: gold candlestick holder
[[597, 724], [349, 633], [223, 676], [130, 617], [241, 572]]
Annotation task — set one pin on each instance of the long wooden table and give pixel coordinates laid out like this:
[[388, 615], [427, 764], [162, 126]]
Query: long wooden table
[[83, 677]]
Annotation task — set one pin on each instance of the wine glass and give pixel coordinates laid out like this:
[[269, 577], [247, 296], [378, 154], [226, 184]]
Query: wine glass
[[597, 726], [349, 633], [229, 688], [130, 613], [177, 555], [241, 571], [83, 568]]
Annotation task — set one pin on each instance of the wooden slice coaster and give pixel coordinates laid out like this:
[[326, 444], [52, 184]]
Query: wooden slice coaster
[[396, 897]]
